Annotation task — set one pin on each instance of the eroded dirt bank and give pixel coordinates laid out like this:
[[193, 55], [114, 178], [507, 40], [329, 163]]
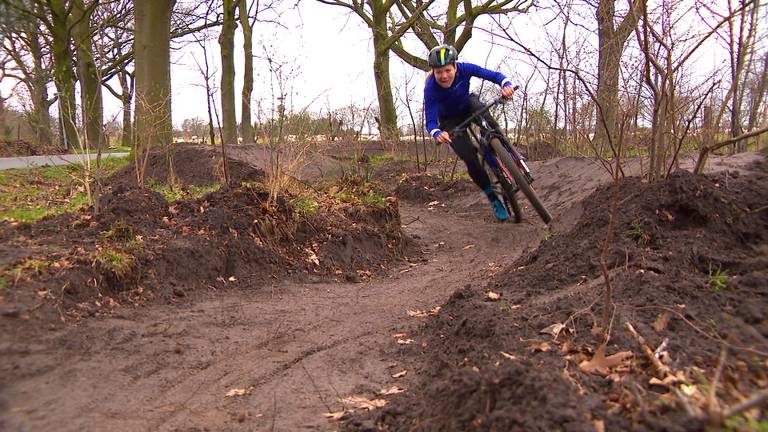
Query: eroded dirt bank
[[286, 346]]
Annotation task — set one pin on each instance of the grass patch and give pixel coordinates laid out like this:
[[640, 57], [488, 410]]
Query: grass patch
[[718, 279], [637, 233], [183, 193], [305, 206], [115, 261], [375, 199], [119, 232], [29, 268], [28, 195], [5, 286]]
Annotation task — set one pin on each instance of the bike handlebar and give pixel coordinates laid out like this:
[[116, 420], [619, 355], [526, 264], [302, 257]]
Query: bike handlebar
[[478, 113]]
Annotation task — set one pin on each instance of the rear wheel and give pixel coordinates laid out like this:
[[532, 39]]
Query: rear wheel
[[522, 182]]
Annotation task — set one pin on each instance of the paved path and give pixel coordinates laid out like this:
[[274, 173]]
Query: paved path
[[36, 161]]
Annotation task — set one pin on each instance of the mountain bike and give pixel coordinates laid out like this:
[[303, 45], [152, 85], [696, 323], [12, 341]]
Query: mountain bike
[[504, 163]]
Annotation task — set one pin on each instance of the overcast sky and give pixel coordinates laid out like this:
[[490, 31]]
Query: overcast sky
[[327, 57]]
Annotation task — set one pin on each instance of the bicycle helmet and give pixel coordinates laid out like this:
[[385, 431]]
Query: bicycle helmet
[[442, 55]]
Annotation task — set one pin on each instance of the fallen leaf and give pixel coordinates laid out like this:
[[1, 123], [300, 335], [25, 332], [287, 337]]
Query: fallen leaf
[[508, 355], [433, 203], [405, 341], [391, 390], [336, 415], [422, 314], [668, 381], [601, 365], [399, 335], [492, 296], [312, 257], [599, 425], [554, 329], [400, 374], [470, 246], [661, 322], [540, 347], [232, 279], [361, 402], [236, 392]]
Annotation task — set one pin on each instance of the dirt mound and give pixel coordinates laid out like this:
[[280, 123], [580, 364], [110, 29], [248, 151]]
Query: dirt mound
[[687, 254], [25, 148], [139, 247], [424, 188], [193, 165]]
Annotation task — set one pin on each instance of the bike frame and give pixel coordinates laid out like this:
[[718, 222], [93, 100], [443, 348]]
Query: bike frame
[[488, 131]]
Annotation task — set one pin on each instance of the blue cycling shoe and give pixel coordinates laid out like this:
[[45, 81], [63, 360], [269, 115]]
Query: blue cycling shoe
[[499, 210]]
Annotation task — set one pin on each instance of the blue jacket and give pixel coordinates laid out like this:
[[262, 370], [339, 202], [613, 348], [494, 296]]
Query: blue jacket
[[441, 103]]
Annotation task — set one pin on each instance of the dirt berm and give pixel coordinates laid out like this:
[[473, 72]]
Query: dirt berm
[[688, 264]]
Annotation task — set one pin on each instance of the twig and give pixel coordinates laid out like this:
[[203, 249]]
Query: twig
[[703, 333], [713, 407], [756, 399], [416, 219], [317, 390], [647, 351]]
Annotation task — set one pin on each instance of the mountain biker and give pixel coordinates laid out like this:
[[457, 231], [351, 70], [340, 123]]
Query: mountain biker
[[447, 103]]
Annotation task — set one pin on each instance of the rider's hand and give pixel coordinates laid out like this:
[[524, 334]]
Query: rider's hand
[[444, 138], [508, 91]]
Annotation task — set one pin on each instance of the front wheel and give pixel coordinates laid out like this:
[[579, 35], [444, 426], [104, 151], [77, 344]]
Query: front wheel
[[522, 182], [510, 200]]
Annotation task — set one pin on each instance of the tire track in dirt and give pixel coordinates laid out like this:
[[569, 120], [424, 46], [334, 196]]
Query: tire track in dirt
[[298, 347]]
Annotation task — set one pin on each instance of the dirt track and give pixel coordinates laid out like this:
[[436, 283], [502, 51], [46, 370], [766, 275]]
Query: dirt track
[[295, 348]]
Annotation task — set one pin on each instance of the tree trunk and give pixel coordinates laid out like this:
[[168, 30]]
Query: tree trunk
[[153, 73], [227, 44], [758, 96], [387, 113], [63, 73], [38, 89], [90, 84], [611, 42], [124, 77], [246, 124]]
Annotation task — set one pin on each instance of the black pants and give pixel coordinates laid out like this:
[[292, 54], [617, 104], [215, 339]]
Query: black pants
[[463, 147]]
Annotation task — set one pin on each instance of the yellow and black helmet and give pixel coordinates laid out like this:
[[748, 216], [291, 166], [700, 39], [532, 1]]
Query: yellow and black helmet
[[442, 55]]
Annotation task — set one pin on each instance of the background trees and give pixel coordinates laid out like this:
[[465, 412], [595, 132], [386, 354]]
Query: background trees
[[640, 77]]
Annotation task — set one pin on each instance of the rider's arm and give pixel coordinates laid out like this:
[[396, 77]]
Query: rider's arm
[[478, 71], [431, 112]]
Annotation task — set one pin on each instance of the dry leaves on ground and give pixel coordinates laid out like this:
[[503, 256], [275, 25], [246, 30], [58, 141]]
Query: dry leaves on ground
[[555, 329], [238, 392], [423, 313], [602, 365], [391, 390], [400, 374], [492, 296]]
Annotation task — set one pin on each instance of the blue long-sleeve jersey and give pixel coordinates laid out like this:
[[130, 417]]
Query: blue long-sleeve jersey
[[454, 101]]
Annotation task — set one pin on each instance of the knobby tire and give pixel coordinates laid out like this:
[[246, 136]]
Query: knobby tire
[[522, 182]]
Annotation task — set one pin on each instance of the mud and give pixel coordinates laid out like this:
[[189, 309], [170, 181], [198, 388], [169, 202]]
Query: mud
[[291, 338], [193, 165], [26, 148], [669, 239]]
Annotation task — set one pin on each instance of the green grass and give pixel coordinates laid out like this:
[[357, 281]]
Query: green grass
[[5, 286], [28, 195], [637, 233], [115, 261], [375, 199], [119, 232], [718, 279], [115, 149], [305, 206], [183, 193]]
